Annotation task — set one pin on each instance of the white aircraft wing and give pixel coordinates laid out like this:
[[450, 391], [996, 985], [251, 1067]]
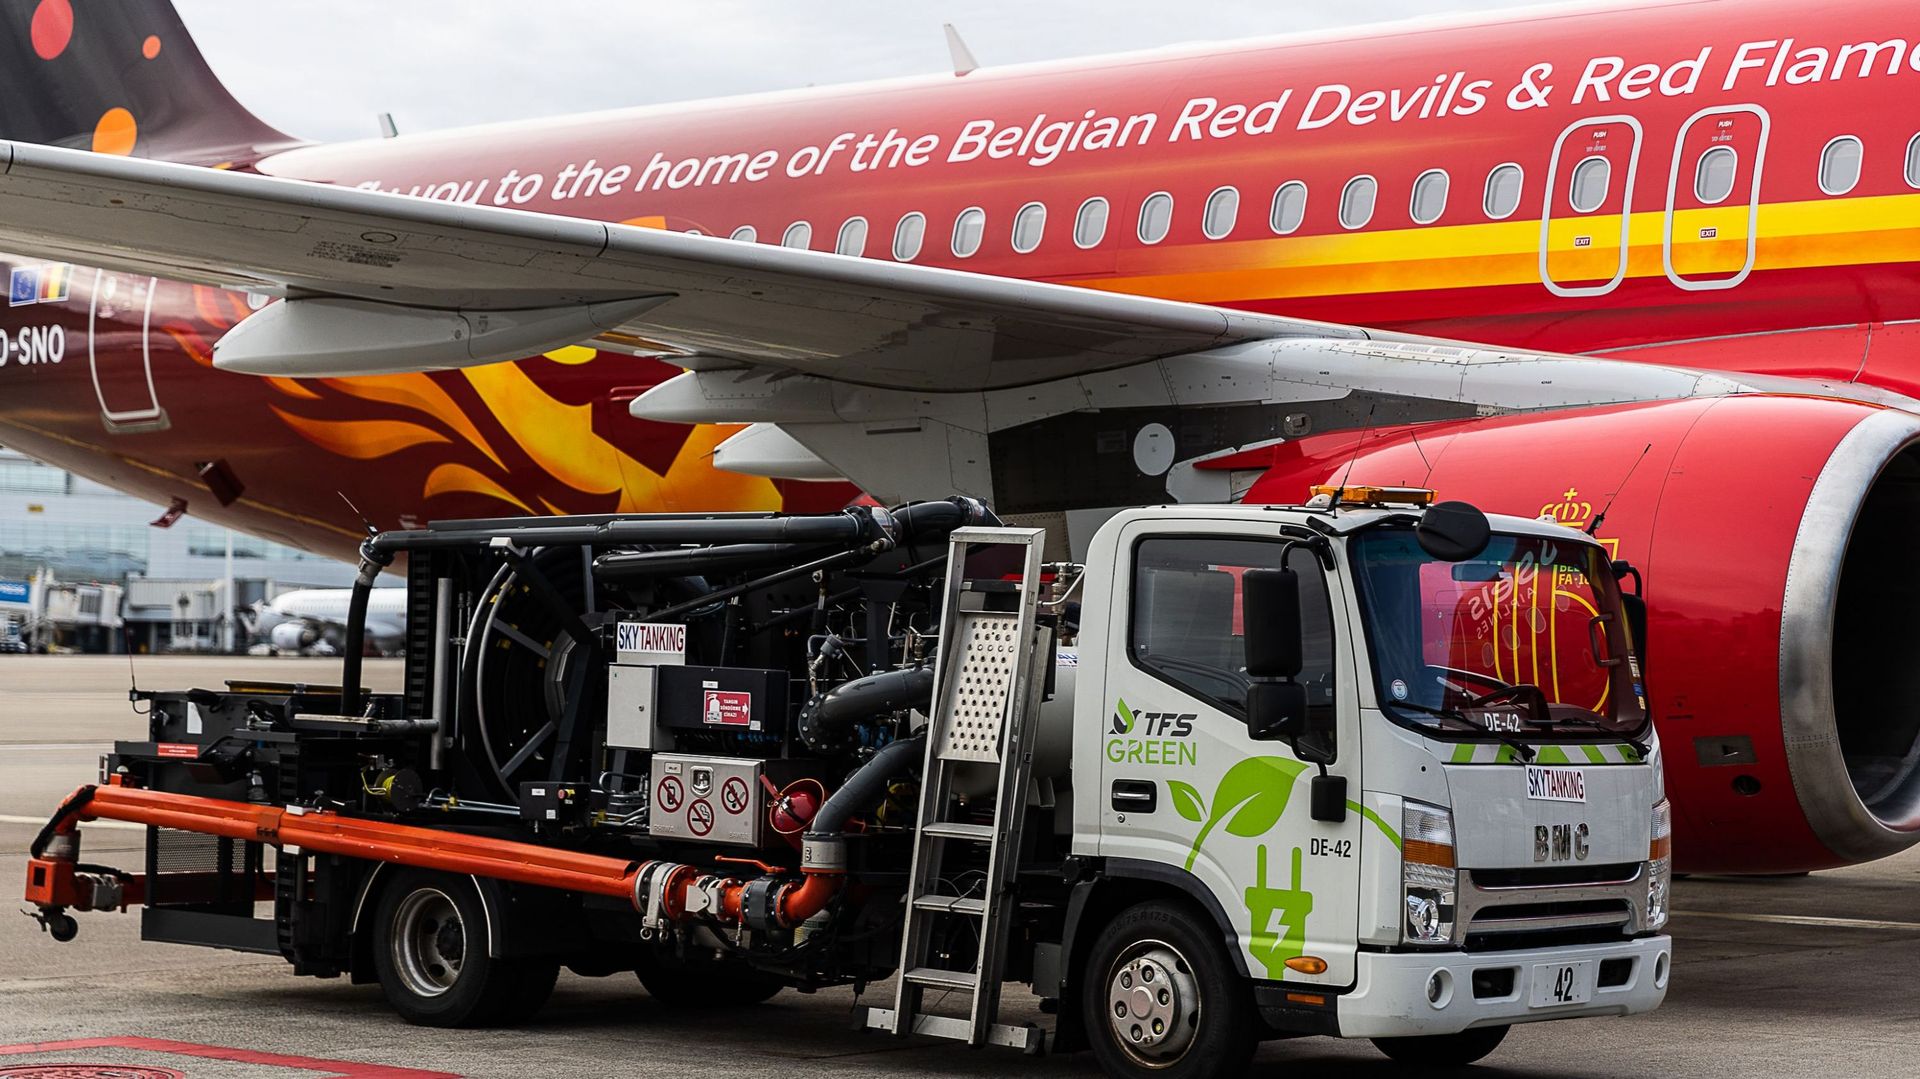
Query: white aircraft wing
[[901, 378], [856, 320]]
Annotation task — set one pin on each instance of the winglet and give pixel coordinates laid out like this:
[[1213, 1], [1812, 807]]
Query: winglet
[[963, 61]]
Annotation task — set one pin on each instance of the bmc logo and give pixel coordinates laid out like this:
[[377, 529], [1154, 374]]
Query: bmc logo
[[1560, 842]]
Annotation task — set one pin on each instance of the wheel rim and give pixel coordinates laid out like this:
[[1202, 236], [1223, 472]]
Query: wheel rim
[[429, 942], [1153, 1003]]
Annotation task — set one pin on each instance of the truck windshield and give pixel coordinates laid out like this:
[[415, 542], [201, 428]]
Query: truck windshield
[[1526, 640]]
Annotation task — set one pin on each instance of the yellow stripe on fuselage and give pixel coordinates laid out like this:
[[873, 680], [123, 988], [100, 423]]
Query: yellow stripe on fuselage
[[1792, 235]]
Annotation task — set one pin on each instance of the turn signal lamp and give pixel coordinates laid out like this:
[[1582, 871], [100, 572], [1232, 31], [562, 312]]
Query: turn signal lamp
[[1428, 878], [1348, 495], [1307, 964], [1660, 865]]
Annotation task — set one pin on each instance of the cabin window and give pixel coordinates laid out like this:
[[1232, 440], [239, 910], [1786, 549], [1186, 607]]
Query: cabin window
[[1503, 191], [745, 234], [799, 235], [1356, 202], [1222, 210], [853, 237], [1090, 224], [1913, 161], [968, 230], [908, 235], [1429, 197], [1029, 225], [1156, 217], [1591, 178], [1713, 176], [1289, 207], [1840, 165]]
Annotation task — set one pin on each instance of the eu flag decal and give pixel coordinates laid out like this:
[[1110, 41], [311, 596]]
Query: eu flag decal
[[25, 286]]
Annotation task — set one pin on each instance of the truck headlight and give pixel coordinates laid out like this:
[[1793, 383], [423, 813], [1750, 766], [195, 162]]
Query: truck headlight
[[1660, 865], [1427, 875]]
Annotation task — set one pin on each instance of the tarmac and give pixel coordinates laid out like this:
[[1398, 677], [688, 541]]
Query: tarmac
[[1806, 975]]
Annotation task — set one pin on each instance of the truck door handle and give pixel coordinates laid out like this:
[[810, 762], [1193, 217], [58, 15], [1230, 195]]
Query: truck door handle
[[1135, 795]]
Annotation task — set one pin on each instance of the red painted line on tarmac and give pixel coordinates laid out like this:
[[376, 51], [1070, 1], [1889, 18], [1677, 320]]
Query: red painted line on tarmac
[[340, 1069]]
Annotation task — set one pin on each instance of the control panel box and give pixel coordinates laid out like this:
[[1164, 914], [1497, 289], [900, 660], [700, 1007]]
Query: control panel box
[[708, 799], [631, 709], [721, 699]]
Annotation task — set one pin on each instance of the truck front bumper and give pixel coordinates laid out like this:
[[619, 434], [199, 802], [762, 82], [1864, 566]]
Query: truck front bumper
[[1409, 994]]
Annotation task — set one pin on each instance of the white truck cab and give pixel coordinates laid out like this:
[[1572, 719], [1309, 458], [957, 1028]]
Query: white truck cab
[[1399, 751]]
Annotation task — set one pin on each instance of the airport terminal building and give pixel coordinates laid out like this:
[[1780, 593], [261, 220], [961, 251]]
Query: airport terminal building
[[86, 568]]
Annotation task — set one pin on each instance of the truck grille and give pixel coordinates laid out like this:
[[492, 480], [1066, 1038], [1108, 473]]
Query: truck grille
[[1505, 909]]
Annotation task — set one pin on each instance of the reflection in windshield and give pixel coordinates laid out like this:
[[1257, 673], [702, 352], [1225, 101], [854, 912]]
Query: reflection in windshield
[[1526, 638]]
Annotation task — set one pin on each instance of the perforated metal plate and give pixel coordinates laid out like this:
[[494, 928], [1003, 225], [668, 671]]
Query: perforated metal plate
[[982, 688]]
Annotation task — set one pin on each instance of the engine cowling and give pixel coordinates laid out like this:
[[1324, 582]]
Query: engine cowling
[[1770, 532], [292, 636]]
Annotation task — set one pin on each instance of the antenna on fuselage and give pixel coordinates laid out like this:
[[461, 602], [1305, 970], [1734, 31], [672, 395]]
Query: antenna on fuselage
[[388, 129], [963, 61], [371, 530], [1341, 491], [1602, 515]]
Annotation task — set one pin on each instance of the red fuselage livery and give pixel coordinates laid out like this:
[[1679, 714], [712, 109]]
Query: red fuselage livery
[[1733, 186]]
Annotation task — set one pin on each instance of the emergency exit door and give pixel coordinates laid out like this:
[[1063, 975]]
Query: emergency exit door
[[1713, 197], [1589, 206], [119, 317]]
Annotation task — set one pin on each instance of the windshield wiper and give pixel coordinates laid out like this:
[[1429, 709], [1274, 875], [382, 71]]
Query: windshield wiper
[[1459, 718], [1639, 747]]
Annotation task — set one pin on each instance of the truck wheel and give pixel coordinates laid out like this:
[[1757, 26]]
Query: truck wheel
[[430, 952], [704, 985], [1161, 998], [1443, 1050]]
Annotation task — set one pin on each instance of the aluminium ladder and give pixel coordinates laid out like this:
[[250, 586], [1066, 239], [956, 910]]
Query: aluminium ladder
[[987, 690]]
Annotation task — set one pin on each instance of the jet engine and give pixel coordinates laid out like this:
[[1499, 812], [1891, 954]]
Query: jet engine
[[1768, 535], [292, 636]]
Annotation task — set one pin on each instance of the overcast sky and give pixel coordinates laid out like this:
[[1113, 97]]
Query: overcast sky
[[325, 70]]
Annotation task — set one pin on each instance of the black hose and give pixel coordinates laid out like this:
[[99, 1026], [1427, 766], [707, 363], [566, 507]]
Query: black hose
[[75, 803], [826, 719], [867, 786], [372, 562], [680, 561]]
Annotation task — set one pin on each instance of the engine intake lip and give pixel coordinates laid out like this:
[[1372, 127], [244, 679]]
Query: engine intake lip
[[1810, 720]]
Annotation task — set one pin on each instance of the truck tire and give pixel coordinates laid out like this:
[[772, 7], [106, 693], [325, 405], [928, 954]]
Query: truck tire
[[1443, 1050], [675, 984], [430, 953], [1160, 997]]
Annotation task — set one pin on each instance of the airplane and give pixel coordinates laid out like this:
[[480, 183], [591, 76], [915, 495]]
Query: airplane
[[1647, 269], [313, 621]]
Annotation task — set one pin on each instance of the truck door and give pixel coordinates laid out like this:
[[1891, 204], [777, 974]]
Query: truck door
[[1713, 197], [1182, 786], [118, 317], [1589, 196]]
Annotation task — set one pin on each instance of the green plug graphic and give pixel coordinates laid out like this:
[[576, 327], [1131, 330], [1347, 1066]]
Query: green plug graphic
[[1292, 905]]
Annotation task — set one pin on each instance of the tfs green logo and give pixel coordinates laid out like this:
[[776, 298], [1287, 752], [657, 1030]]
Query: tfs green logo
[[1152, 724]]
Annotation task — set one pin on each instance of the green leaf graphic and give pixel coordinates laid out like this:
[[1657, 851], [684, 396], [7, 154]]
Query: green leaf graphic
[[1255, 793], [1187, 801]]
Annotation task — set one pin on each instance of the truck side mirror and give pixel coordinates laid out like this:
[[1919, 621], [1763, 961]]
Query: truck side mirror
[[1277, 708], [1270, 606], [1453, 531]]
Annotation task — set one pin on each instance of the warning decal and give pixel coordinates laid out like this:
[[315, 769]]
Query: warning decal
[[733, 796], [670, 794], [700, 817], [727, 708]]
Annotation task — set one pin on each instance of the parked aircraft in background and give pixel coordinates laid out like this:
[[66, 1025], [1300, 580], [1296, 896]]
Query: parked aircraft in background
[[313, 621], [1204, 273]]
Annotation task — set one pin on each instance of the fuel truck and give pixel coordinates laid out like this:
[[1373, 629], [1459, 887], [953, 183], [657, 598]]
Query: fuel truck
[[1369, 767]]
